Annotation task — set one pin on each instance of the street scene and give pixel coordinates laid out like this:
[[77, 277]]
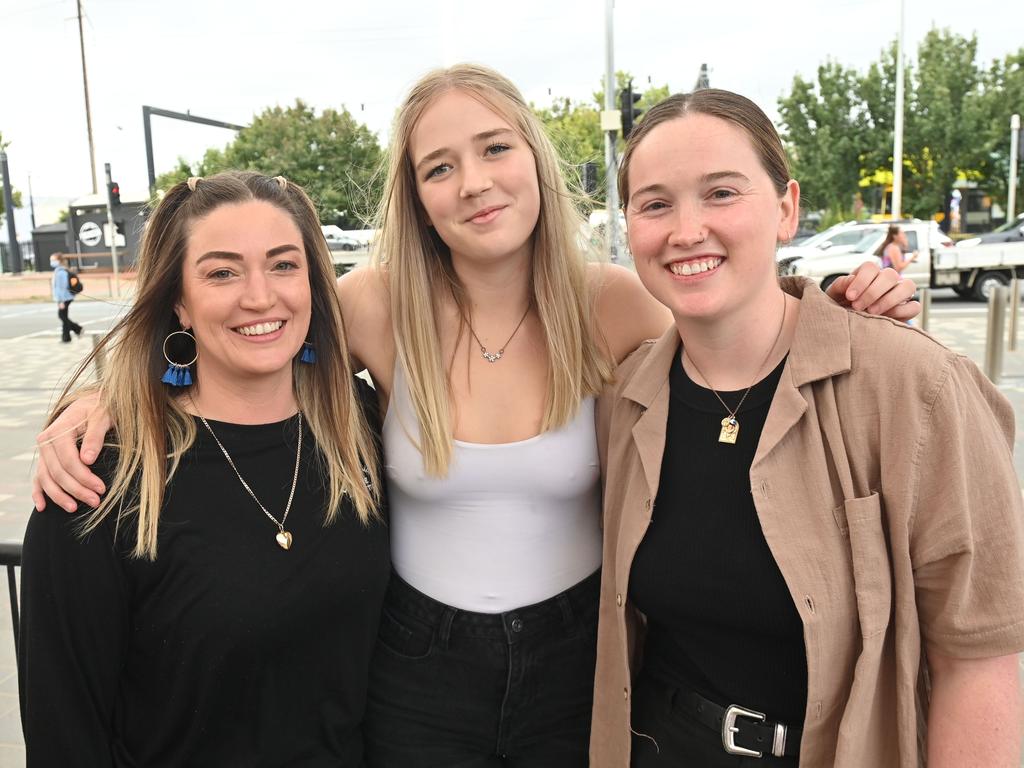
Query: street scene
[[450, 174]]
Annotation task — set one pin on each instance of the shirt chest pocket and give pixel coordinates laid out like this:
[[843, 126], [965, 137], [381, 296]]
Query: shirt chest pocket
[[861, 520]]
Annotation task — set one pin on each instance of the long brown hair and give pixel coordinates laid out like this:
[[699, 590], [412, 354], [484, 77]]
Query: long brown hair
[[153, 430], [419, 268]]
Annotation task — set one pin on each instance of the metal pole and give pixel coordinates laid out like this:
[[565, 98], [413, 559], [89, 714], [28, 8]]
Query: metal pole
[[611, 165], [88, 110], [1014, 312], [994, 337], [897, 143], [12, 234], [113, 232], [925, 297], [147, 130], [31, 203], [1011, 197]]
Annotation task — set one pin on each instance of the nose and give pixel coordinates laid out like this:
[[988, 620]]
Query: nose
[[688, 228], [259, 291], [476, 178]]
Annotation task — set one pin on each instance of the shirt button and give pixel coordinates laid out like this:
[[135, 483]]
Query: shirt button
[[517, 624], [647, 505], [618, 599], [625, 693]]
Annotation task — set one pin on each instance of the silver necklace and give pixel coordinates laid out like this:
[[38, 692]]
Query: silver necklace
[[283, 538], [493, 357]]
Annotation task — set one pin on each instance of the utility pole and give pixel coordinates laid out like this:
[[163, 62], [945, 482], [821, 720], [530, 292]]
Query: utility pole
[[1011, 197], [31, 203], [703, 81], [113, 231], [611, 121], [88, 110], [12, 235], [897, 144]]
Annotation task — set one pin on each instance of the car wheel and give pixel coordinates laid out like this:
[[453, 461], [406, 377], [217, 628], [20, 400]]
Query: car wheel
[[987, 282], [963, 293]]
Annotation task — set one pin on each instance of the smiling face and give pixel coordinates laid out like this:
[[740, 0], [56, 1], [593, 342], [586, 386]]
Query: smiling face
[[476, 178], [245, 294], [704, 218]]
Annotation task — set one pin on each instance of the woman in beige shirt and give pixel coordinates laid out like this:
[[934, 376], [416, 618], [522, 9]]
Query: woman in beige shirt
[[813, 529]]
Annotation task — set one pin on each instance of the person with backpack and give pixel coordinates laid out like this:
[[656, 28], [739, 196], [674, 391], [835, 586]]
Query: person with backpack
[[66, 285]]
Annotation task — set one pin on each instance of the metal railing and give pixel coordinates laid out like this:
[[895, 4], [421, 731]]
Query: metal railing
[[10, 556]]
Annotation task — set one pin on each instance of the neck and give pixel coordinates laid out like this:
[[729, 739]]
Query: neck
[[242, 402], [496, 288], [734, 351]]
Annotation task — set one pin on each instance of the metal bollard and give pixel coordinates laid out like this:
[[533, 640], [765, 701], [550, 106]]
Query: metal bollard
[[100, 360], [924, 295], [1014, 312], [994, 337]]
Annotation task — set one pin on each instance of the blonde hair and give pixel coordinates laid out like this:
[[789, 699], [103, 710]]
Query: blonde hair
[[154, 431], [419, 268]]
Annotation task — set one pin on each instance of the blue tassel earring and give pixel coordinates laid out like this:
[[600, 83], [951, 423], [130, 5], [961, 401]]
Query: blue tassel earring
[[308, 353], [178, 374]]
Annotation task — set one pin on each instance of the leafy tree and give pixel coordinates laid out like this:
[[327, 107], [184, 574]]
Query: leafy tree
[[330, 154], [825, 131], [15, 194], [1002, 96]]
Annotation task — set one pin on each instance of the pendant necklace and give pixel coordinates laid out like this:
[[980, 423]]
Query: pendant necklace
[[493, 357], [283, 537], [730, 424]]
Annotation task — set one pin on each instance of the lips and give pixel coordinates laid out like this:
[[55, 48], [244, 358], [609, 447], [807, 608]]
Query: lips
[[486, 215]]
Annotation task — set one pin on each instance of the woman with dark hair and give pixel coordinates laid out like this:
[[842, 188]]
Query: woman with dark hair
[[220, 606], [894, 249], [814, 535]]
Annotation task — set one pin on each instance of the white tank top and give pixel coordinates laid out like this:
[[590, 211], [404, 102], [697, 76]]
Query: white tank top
[[511, 525]]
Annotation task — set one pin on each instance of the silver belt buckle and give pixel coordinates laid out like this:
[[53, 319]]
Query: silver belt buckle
[[729, 730]]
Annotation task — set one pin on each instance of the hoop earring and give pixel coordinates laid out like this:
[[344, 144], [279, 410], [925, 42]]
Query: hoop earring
[[178, 374]]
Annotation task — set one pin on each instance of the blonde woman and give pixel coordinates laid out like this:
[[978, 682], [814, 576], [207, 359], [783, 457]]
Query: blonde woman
[[488, 337], [220, 606], [814, 535]]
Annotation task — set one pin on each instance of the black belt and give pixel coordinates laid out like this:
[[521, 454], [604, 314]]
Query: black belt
[[744, 731]]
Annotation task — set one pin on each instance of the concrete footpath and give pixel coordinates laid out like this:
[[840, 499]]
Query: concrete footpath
[[32, 370]]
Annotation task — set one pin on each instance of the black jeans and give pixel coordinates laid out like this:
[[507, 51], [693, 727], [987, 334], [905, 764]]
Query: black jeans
[[458, 689], [67, 325], [665, 736]]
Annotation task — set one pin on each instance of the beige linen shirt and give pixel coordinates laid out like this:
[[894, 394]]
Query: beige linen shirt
[[885, 488]]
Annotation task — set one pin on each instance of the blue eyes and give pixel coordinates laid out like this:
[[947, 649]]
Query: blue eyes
[[492, 150]]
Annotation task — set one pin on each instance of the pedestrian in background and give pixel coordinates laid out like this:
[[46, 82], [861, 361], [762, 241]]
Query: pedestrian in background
[[63, 295], [894, 250]]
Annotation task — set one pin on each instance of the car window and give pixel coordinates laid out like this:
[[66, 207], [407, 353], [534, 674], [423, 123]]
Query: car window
[[846, 238], [869, 239], [911, 240]]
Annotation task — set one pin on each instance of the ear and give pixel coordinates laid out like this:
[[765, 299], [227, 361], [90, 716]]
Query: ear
[[789, 212], [183, 316]]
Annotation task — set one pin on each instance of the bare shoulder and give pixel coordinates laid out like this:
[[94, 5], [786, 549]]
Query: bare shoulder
[[626, 313], [365, 305]]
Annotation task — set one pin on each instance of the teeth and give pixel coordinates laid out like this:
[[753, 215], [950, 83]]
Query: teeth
[[260, 329], [694, 267]]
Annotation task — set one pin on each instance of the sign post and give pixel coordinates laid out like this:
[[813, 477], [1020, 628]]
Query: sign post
[[113, 233]]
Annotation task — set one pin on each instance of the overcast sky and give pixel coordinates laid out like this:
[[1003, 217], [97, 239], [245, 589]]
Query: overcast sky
[[228, 59]]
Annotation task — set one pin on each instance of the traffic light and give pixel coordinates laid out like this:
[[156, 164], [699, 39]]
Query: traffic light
[[114, 193], [627, 106]]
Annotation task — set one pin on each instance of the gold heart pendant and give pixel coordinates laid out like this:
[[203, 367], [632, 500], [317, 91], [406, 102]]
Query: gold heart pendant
[[284, 540]]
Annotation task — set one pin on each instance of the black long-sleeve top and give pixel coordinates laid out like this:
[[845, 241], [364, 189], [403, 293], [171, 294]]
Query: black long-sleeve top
[[225, 651]]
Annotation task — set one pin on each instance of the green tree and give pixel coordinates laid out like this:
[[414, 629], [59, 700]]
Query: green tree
[[330, 154], [15, 194], [1002, 96], [824, 129]]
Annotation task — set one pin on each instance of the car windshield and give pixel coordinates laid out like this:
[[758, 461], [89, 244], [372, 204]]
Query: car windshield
[[867, 241], [1009, 225]]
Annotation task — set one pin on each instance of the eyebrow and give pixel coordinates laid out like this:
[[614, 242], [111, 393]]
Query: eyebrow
[[232, 256], [707, 178], [483, 136]]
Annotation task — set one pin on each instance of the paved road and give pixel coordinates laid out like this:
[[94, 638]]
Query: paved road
[[33, 364]]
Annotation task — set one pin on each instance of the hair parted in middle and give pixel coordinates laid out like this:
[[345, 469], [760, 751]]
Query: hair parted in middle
[[153, 430], [419, 270], [725, 105]]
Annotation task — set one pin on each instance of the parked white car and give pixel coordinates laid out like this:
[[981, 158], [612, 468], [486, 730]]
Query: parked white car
[[826, 265]]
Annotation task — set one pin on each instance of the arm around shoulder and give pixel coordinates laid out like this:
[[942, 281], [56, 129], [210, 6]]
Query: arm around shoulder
[[626, 313]]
